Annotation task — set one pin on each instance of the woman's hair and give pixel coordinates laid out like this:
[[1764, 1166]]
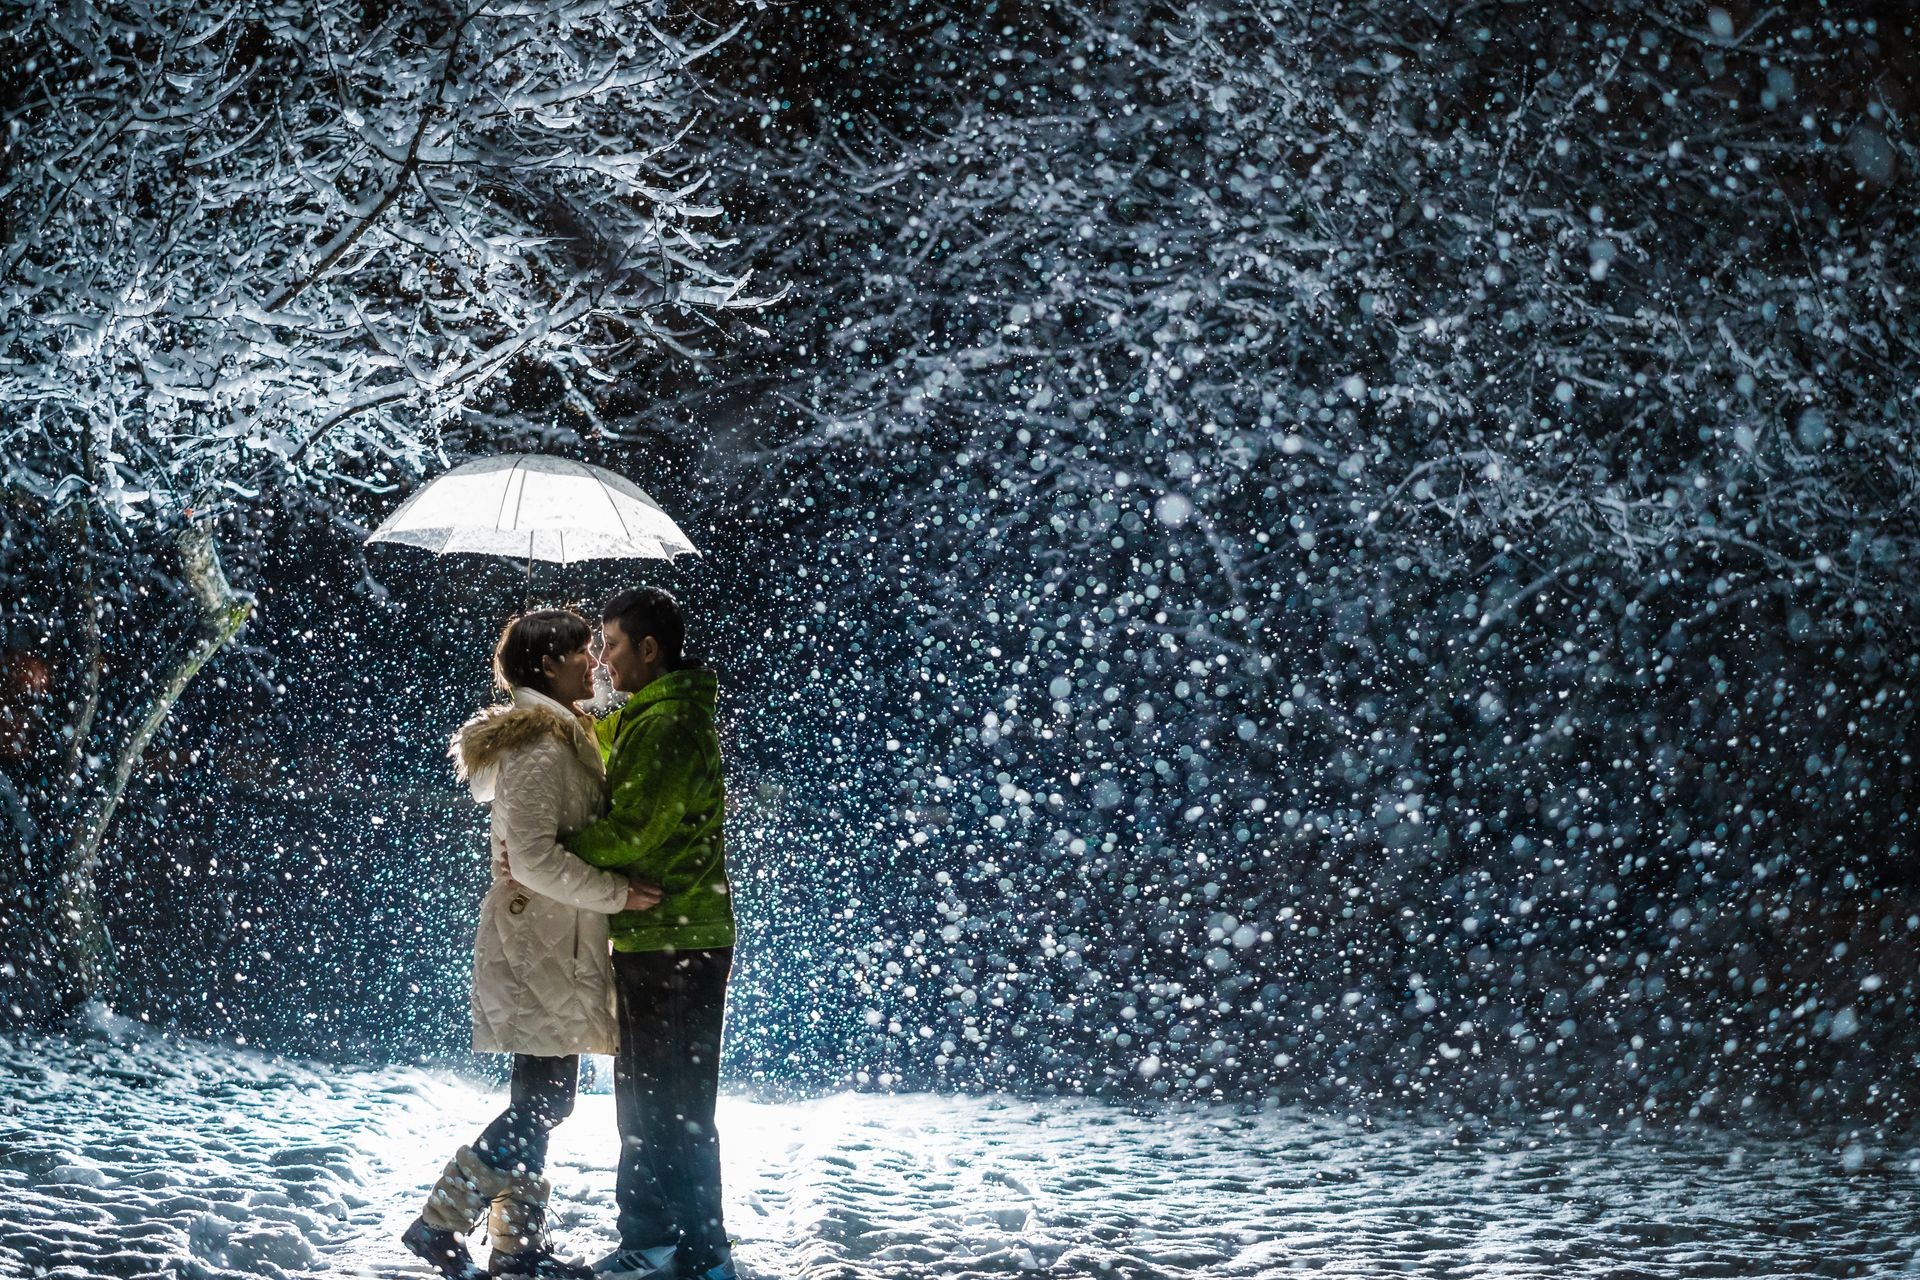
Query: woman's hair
[[649, 611], [531, 637]]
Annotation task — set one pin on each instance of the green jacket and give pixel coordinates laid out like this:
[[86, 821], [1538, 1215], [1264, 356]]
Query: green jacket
[[667, 797]]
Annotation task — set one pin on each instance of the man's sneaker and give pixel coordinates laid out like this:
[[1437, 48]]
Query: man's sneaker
[[721, 1270], [636, 1264]]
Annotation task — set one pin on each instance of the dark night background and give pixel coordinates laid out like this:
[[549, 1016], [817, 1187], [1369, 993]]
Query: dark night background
[[1263, 551]]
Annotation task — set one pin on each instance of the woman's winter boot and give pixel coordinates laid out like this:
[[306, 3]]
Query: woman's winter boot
[[518, 1227], [442, 1250], [454, 1208]]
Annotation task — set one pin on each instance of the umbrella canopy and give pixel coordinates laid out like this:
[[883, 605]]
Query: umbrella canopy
[[535, 507]]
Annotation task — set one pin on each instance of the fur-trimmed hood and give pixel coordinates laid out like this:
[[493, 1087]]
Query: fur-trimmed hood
[[479, 745]]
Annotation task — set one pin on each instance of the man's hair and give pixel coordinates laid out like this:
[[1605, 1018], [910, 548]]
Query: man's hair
[[649, 611], [530, 637]]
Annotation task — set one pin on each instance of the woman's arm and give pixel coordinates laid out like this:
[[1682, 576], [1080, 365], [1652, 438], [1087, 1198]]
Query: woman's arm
[[526, 807]]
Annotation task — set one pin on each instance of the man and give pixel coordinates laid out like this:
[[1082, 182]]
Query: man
[[670, 962]]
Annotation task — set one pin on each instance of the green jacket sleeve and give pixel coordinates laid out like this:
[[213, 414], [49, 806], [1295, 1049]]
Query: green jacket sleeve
[[648, 803]]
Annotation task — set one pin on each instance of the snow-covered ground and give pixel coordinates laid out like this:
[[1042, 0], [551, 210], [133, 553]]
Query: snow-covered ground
[[134, 1156]]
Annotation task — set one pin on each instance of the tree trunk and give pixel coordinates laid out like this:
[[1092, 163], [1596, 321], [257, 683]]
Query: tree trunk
[[85, 947], [77, 530]]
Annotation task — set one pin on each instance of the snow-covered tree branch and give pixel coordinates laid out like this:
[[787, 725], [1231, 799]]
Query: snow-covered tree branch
[[258, 246], [1346, 444]]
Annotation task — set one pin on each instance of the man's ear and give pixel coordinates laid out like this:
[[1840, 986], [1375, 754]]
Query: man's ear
[[649, 649]]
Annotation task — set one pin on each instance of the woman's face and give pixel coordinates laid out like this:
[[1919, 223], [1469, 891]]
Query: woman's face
[[571, 676]]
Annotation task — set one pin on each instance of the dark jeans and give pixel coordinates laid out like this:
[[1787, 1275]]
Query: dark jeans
[[672, 1004], [542, 1098]]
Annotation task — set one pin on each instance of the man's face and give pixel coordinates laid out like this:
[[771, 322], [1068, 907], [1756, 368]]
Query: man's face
[[631, 667]]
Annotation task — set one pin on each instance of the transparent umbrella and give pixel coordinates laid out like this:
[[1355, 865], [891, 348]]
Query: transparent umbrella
[[536, 507]]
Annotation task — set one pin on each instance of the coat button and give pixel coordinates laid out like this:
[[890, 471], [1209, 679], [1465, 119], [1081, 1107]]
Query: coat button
[[518, 904]]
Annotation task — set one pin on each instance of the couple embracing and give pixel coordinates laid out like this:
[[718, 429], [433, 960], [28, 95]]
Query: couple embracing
[[604, 832]]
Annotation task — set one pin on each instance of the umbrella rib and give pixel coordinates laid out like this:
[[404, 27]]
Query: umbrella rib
[[608, 495], [517, 461]]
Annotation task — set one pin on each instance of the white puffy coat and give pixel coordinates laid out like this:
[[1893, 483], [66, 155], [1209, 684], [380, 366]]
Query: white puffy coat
[[542, 979]]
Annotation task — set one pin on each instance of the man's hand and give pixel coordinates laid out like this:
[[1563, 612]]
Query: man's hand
[[642, 896]]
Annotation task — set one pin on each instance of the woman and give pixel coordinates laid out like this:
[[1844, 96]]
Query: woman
[[542, 981]]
